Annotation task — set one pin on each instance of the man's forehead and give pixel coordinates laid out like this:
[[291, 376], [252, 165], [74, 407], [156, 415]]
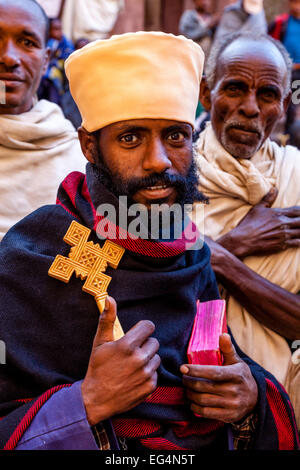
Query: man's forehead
[[24, 13], [249, 54]]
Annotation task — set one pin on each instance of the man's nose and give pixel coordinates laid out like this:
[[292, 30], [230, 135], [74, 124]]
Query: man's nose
[[156, 159], [249, 106], [9, 55]]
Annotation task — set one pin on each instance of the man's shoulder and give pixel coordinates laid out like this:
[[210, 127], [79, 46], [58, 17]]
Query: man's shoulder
[[189, 14], [235, 7], [290, 156], [45, 111], [41, 231], [199, 254], [50, 107]]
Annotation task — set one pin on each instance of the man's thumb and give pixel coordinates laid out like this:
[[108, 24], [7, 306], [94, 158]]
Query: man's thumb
[[269, 198], [228, 350], [105, 330]]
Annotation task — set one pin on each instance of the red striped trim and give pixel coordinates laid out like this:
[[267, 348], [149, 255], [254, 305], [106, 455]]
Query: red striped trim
[[24, 400], [159, 443], [285, 432], [167, 396], [71, 184], [130, 428], [200, 428], [138, 245], [27, 419], [141, 246], [134, 427], [279, 22], [292, 412], [295, 423], [59, 203]]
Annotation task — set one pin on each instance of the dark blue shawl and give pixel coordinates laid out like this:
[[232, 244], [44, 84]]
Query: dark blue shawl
[[48, 328]]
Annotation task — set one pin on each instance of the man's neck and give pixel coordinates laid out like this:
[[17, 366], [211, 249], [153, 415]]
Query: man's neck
[[16, 110]]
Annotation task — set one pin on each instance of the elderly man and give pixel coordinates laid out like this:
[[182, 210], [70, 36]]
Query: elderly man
[[253, 186], [135, 391], [37, 144]]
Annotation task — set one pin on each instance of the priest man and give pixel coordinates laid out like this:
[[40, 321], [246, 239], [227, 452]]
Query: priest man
[[68, 382]]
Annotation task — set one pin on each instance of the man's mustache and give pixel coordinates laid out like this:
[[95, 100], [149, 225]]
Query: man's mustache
[[156, 179], [253, 127]]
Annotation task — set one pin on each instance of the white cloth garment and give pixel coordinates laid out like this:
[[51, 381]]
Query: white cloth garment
[[51, 7], [37, 151], [234, 186], [90, 19]]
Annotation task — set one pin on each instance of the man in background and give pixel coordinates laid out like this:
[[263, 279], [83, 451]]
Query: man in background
[[38, 146], [92, 390], [286, 28], [199, 24], [253, 215], [242, 16], [54, 83]]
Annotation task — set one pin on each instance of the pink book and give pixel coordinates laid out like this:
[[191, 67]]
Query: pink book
[[209, 324]]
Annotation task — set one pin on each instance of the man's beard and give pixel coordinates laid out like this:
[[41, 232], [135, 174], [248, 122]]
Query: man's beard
[[237, 149], [186, 187]]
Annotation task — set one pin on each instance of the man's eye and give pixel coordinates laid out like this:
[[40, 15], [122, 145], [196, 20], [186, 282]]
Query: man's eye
[[27, 42], [233, 89], [268, 95], [176, 137], [129, 139]]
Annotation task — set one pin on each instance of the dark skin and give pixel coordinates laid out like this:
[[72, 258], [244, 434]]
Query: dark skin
[[23, 53], [141, 147], [247, 99], [294, 7], [55, 31], [249, 95], [123, 373], [203, 7]]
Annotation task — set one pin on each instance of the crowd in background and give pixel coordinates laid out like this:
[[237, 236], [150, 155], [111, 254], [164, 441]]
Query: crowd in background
[[74, 23]]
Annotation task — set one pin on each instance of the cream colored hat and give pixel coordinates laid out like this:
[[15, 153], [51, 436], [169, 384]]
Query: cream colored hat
[[139, 75]]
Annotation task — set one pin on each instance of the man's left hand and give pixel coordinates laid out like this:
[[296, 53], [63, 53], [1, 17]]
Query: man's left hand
[[227, 393]]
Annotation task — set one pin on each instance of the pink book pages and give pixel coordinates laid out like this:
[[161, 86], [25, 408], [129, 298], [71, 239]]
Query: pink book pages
[[209, 324]]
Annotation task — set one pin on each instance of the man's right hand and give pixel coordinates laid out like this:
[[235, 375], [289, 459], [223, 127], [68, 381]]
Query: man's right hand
[[264, 230], [121, 374]]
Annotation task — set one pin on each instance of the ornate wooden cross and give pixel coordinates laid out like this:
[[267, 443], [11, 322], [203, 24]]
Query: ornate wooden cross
[[89, 261]]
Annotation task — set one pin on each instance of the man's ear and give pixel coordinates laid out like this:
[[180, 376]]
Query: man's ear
[[287, 101], [88, 144], [205, 95], [46, 60]]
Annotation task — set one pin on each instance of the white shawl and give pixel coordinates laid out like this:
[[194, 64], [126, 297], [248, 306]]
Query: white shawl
[[234, 186], [90, 19], [37, 151]]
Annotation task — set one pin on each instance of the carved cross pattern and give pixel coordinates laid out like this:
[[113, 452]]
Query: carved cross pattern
[[88, 260]]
